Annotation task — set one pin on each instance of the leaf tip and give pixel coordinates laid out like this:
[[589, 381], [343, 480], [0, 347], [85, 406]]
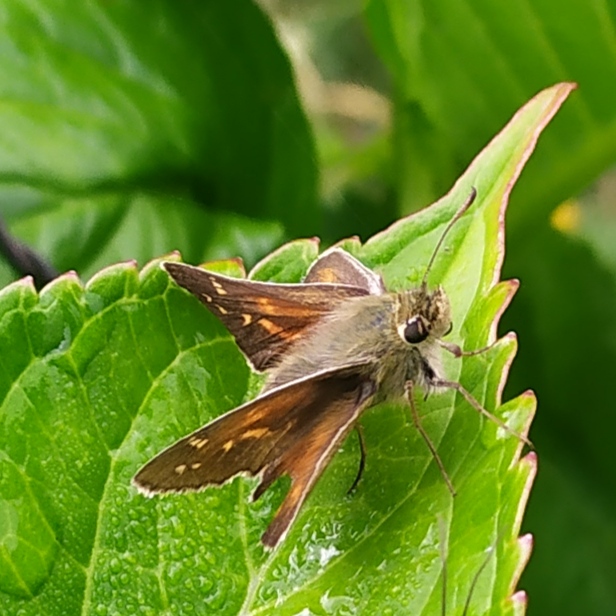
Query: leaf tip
[[520, 599], [153, 264], [510, 337], [529, 397], [300, 250], [525, 548], [349, 243], [530, 463], [174, 256], [526, 543], [54, 288], [568, 86], [528, 467], [111, 271], [71, 276], [24, 284], [513, 284], [233, 266]]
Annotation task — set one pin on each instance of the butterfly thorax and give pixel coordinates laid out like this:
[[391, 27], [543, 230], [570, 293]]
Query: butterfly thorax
[[369, 332]]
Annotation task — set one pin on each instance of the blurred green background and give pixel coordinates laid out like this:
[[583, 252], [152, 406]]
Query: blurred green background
[[128, 130]]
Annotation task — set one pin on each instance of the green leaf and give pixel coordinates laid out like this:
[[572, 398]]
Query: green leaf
[[96, 380], [459, 69], [115, 114]]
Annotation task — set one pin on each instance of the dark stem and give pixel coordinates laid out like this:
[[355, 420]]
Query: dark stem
[[24, 260]]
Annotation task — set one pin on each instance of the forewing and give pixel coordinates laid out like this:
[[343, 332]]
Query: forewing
[[293, 430], [339, 267], [264, 318]]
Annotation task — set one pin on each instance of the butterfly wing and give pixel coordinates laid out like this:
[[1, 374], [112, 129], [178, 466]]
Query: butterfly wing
[[293, 430], [264, 318], [339, 267]]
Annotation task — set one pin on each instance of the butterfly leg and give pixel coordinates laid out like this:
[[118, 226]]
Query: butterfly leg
[[456, 351], [362, 460], [475, 404], [426, 438]]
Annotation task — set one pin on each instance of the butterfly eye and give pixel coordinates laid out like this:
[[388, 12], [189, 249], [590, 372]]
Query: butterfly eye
[[415, 331], [449, 329]]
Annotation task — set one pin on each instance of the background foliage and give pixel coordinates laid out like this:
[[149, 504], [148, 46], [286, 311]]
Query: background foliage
[[119, 140]]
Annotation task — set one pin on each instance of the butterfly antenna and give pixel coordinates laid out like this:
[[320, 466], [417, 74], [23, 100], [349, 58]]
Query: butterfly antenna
[[452, 222]]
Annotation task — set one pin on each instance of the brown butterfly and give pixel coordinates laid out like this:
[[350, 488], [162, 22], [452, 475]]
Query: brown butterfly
[[332, 346]]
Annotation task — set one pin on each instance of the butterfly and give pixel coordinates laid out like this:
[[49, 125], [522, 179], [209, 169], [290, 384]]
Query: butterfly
[[331, 347]]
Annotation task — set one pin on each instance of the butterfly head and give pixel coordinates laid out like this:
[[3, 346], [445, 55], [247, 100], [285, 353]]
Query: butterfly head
[[422, 314]]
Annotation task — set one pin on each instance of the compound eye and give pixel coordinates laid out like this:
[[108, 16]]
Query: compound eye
[[449, 329], [415, 331]]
